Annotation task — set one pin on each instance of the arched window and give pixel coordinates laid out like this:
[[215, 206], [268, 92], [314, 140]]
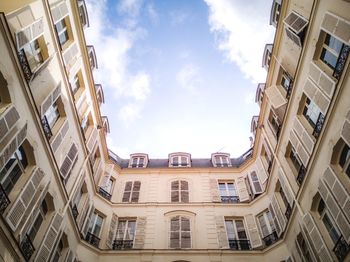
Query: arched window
[[180, 232], [179, 191], [341, 157]]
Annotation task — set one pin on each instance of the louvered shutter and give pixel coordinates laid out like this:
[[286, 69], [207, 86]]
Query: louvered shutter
[[286, 189], [69, 161], [336, 26], [275, 220], [315, 94], [295, 22], [140, 232], [221, 232], [315, 238], [88, 220], [111, 232], [303, 134], [49, 239], [50, 99], [59, 11], [70, 56], [242, 190], [127, 191], [57, 141], [29, 33], [84, 212], [299, 148], [136, 191], [175, 191], [279, 214], [8, 120], [255, 183], [92, 140], [293, 36], [254, 236], [215, 194], [321, 79], [275, 97], [261, 172], [25, 197], [70, 256]]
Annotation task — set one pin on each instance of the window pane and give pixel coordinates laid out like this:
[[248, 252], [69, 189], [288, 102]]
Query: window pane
[[185, 224], [22, 156], [175, 224], [36, 226], [130, 233], [328, 58], [330, 228], [185, 239], [174, 239], [120, 230], [263, 226], [229, 229], [333, 43]]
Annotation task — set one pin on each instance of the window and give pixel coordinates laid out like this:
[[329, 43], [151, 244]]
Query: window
[[95, 225], [179, 161], [85, 123], [75, 84], [286, 81], [295, 159], [283, 196], [83, 13], [125, 234], [276, 12], [52, 114], [303, 248], [330, 51], [228, 192], [109, 186], [254, 180], [58, 252], [132, 191], [38, 220], [267, 228], [62, 32], [33, 54], [311, 112], [236, 234], [138, 160], [221, 160], [328, 222], [13, 169], [180, 232], [274, 122], [344, 159], [179, 191]]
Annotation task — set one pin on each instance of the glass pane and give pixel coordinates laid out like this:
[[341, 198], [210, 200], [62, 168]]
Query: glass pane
[[185, 224], [230, 229], [120, 230], [174, 239], [22, 156], [344, 156], [333, 43], [328, 58], [36, 226], [98, 225], [175, 224], [130, 233], [184, 185], [330, 228], [263, 226], [185, 240], [11, 178]]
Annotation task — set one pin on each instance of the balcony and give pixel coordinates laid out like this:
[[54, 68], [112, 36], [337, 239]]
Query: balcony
[[301, 175], [229, 199], [239, 244], [25, 65], [341, 249], [122, 244], [104, 194], [46, 127], [270, 239], [318, 127], [27, 247], [288, 212], [75, 211], [339, 67], [92, 239], [4, 200]]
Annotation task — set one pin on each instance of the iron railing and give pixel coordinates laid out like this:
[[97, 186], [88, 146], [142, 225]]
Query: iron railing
[[122, 244], [4, 200], [318, 127], [288, 212], [75, 211], [229, 199], [92, 239], [301, 174], [339, 67], [289, 89], [243, 244], [104, 193], [46, 127], [27, 247], [270, 239], [341, 249], [269, 167], [25, 65]]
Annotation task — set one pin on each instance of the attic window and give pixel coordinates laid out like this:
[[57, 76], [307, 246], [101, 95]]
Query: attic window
[[138, 161], [295, 26], [182, 160], [221, 160]]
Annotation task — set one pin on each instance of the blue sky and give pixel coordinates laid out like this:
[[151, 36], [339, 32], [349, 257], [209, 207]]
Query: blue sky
[[179, 75]]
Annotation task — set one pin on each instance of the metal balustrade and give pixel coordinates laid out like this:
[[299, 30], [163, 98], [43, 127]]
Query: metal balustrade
[[341, 249], [270, 239], [339, 67], [104, 193], [122, 244], [229, 199], [242, 244], [92, 239], [46, 127], [4, 200], [318, 127], [27, 247]]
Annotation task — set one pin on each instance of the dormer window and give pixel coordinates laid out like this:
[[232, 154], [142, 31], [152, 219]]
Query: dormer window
[[179, 160], [138, 160], [267, 56], [260, 93], [221, 160], [84, 19], [92, 57], [295, 27], [275, 12]]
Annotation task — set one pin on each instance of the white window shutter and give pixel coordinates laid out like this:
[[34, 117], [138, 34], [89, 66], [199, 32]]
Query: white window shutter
[[84, 212], [275, 97], [254, 236], [29, 33], [59, 11], [293, 36], [57, 141], [69, 161], [8, 120], [275, 220], [295, 22], [92, 140], [255, 183], [261, 172], [140, 232], [345, 132], [242, 190], [111, 232], [221, 232], [88, 219], [214, 191], [286, 189]]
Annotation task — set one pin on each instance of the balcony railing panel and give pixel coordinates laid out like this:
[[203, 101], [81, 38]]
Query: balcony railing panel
[[318, 126], [4, 200], [92, 239], [239, 244], [46, 127], [75, 211], [341, 249], [122, 244], [229, 199], [301, 174], [25, 65], [27, 247], [270, 239], [104, 193], [288, 212], [339, 67]]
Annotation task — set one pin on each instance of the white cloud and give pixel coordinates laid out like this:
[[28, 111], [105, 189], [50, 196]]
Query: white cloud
[[139, 87], [178, 17], [241, 31], [123, 152], [189, 77], [129, 113]]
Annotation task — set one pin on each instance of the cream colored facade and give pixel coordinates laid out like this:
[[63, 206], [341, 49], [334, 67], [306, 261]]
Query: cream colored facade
[[65, 197]]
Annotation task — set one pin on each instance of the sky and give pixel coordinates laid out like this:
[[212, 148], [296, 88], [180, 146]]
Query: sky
[[179, 75]]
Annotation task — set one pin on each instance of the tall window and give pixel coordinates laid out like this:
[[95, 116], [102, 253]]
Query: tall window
[[330, 51], [58, 252], [283, 196], [62, 33], [179, 191], [267, 227], [75, 84], [274, 121], [52, 114], [295, 159], [236, 234], [311, 112], [303, 248], [33, 54], [137, 162], [13, 169], [344, 159], [180, 232], [228, 192], [95, 225], [125, 233], [38, 220], [328, 222], [132, 191]]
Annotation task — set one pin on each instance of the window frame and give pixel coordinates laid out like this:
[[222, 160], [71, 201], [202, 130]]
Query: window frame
[[324, 213], [42, 212], [232, 198], [34, 53], [126, 228], [183, 195], [132, 192], [221, 160], [309, 111], [268, 220], [93, 223], [180, 232]]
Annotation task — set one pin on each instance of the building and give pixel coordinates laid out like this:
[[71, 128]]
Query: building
[[65, 197]]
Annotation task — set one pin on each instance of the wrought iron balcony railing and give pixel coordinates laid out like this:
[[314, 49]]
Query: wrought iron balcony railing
[[318, 126], [229, 199], [75, 211], [4, 200], [46, 127], [239, 244], [341, 249], [301, 174], [288, 212], [92, 239], [289, 89], [269, 167], [339, 67], [27, 247], [122, 244], [270, 239], [104, 193], [25, 65]]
